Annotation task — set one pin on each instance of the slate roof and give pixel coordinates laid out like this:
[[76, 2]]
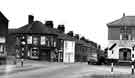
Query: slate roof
[[62, 35], [11, 31], [124, 21], [3, 18], [35, 27], [83, 43]]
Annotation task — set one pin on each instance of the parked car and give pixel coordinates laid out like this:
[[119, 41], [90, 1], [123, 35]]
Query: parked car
[[92, 59]]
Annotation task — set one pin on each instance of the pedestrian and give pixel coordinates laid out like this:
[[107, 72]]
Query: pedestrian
[[22, 60]]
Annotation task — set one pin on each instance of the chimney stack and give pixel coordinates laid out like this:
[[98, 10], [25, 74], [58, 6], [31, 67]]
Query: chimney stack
[[61, 28], [123, 14], [49, 24], [30, 19]]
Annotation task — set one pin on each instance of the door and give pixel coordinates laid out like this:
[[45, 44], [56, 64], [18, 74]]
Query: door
[[45, 55]]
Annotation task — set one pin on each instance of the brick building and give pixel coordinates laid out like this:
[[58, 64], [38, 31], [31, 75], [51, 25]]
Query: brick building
[[36, 39], [42, 41]]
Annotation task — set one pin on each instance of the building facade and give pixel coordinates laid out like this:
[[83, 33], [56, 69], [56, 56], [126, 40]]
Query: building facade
[[35, 40], [3, 37], [121, 37]]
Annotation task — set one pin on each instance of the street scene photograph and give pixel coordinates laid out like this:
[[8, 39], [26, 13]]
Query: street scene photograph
[[67, 39]]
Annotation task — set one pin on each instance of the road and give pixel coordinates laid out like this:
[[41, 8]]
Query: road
[[61, 70]]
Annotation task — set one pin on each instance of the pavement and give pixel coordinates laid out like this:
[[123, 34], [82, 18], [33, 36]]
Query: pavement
[[14, 68], [42, 69]]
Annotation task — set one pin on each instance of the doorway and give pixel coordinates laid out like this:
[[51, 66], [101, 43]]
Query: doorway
[[44, 54], [125, 54]]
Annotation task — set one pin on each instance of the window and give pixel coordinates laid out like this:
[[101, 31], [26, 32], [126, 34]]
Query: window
[[35, 40], [66, 45], [132, 55], [29, 39], [43, 40], [1, 48], [125, 36], [52, 41], [47, 41], [2, 40], [125, 33]]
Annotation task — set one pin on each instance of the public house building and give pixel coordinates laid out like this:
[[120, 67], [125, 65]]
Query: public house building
[[36, 40], [121, 37]]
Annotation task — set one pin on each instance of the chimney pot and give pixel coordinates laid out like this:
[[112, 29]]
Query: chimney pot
[[123, 14], [49, 24], [30, 19]]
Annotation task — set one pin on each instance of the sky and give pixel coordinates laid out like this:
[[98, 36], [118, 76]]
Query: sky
[[85, 17]]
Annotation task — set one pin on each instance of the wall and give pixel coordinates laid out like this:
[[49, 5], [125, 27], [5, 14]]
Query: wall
[[114, 33], [69, 52]]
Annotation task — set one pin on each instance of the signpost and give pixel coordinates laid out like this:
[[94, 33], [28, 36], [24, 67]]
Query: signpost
[[112, 56], [133, 61], [23, 43]]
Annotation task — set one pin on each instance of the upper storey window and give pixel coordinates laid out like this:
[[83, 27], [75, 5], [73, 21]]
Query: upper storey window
[[125, 33]]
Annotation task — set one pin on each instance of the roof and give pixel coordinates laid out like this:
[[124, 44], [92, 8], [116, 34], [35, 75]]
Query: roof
[[124, 21], [35, 27], [83, 43], [11, 31], [62, 35], [3, 18]]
